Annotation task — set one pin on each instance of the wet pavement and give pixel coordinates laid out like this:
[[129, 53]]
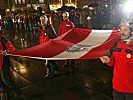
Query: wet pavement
[[89, 80]]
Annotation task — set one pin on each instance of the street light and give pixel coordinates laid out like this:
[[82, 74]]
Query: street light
[[8, 10], [0, 17], [88, 18], [128, 6]]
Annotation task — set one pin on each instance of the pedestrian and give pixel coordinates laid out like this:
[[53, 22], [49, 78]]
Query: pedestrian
[[47, 33], [65, 26], [121, 57], [6, 82]]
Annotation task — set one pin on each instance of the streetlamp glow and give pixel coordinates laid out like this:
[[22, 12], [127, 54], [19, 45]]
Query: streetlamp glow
[[8, 10], [0, 17], [128, 7], [91, 8], [88, 18]]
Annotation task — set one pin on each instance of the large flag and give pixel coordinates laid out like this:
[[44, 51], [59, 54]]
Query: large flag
[[75, 44]]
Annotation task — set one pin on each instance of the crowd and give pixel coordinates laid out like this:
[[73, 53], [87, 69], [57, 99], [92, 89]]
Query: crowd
[[25, 24], [51, 25]]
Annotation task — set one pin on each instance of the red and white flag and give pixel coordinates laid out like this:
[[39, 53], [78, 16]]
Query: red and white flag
[[75, 44]]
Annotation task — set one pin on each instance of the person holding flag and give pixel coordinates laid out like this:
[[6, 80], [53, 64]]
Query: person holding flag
[[6, 81], [121, 57]]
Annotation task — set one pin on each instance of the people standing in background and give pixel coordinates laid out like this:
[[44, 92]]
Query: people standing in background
[[65, 25]]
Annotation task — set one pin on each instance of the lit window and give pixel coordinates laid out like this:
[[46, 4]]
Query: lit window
[[61, 1], [16, 1], [41, 1], [0, 17], [19, 1], [23, 1]]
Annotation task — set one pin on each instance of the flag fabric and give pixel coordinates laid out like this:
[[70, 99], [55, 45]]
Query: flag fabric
[[77, 43]]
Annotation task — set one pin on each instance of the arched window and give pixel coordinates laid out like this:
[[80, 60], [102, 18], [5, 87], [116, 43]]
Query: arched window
[[23, 1], [20, 1], [16, 1], [41, 1]]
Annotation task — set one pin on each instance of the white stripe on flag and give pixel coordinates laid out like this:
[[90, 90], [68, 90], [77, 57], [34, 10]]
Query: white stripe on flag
[[94, 39]]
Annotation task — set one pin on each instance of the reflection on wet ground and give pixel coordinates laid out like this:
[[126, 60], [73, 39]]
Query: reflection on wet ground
[[90, 79]]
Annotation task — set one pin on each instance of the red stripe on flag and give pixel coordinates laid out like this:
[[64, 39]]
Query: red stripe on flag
[[76, 35], [104, 47], [56, 46]]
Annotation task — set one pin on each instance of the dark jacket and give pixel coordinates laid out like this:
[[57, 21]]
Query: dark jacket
[[47, 33], [50, 31]]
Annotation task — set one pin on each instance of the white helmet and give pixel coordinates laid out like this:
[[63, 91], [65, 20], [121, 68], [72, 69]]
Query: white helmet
[[44, 17], [1, 30], [65, 14], [127, 22]]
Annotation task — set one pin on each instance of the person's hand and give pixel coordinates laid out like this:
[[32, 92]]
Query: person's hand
[[105, 59], [4, 52]]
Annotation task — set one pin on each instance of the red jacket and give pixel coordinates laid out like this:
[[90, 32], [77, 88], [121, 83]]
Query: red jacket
[[122, 60], [8, 45], [43, 37], [64, 27]]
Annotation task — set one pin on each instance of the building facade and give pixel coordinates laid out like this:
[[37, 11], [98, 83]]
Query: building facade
[[54, 4]]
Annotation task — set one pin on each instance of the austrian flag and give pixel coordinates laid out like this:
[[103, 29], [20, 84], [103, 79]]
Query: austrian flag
[[75, 44]]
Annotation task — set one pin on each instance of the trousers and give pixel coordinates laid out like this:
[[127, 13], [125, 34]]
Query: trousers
[[122, 96]]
